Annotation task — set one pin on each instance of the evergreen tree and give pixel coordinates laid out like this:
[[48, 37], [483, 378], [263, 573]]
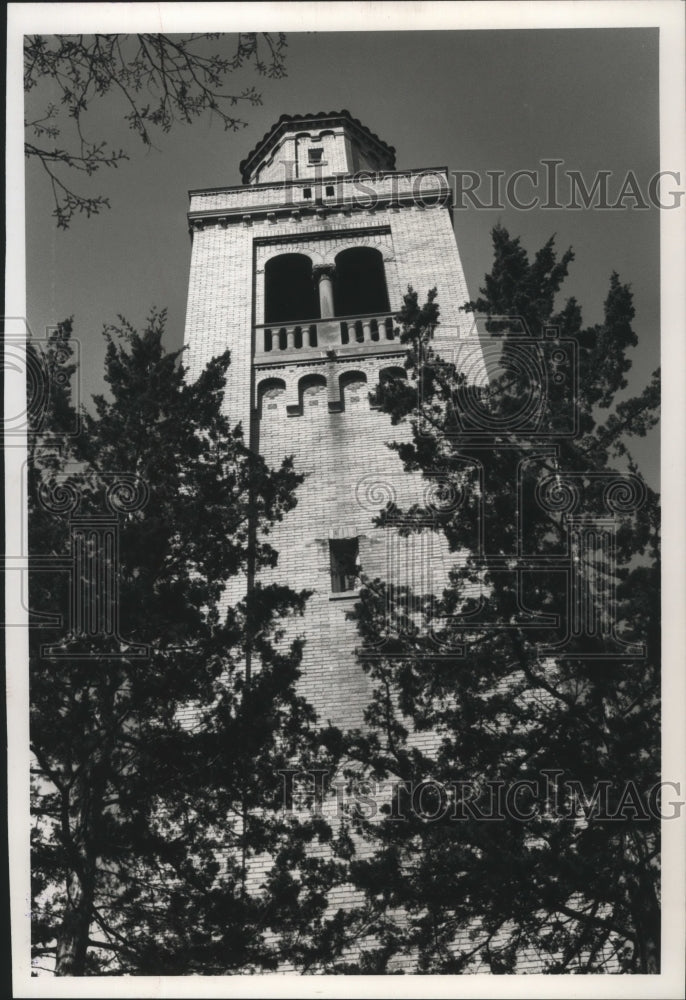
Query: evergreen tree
[[490, 854], [162, 711]]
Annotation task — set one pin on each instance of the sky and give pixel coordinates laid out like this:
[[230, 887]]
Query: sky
[[475, 101]]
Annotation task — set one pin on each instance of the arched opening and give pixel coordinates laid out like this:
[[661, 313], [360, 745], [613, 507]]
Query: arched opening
[[360, 287], [289, 291]]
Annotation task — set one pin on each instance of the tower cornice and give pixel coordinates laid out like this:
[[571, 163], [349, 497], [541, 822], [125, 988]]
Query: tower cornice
[[271, 213], [360, 176], [367, 193]]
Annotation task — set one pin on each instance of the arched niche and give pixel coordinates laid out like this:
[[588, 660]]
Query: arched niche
[[386, 376], [391, 372], [353, 388], [312, 390], [271, 396]]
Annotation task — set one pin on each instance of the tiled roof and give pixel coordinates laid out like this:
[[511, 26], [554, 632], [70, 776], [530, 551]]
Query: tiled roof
[[310, 117]]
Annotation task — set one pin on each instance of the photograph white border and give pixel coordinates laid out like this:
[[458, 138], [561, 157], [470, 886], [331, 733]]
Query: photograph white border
[[668, 16]]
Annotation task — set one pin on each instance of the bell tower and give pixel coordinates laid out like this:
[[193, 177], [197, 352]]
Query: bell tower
[[299, 271]]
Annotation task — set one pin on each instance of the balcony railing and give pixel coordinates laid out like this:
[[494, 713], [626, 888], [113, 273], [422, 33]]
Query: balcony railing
[[366, 329], [276, 339], [288, 338]]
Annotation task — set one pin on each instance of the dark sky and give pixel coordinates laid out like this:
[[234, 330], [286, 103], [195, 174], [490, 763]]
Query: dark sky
[[469, 100]]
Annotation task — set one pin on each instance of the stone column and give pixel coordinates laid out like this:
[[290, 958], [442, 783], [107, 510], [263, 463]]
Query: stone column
[[323, 275]]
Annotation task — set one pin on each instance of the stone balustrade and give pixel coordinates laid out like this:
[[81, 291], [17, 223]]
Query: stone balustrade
[[367, 329], [288, 339], [293, 337]]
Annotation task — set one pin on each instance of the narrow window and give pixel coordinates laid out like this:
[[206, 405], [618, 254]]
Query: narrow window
[[307, 192], [344, 554], [329, 191]]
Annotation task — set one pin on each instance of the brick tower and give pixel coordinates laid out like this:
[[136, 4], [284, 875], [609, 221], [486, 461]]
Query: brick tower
[[299, 271]]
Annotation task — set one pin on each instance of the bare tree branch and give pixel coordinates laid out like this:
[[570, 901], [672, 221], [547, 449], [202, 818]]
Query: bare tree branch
[[162, 80]]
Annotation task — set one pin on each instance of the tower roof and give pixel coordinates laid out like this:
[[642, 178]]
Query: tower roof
[[322, 119]]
